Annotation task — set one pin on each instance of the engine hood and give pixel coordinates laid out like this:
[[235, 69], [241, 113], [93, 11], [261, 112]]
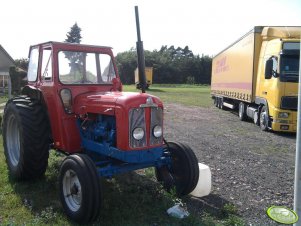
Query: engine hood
[[107, 102]]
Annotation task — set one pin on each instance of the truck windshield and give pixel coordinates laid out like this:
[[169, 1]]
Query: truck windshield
[[289, 67], [85, 68]]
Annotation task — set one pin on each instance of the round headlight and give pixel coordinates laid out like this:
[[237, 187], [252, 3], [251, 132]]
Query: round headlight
[[138, 133], [157, 131]]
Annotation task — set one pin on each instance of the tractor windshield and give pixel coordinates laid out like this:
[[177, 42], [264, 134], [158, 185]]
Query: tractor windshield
[[85, 68]]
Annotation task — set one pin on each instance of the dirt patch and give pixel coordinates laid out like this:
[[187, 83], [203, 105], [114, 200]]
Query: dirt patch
[[251, 169]]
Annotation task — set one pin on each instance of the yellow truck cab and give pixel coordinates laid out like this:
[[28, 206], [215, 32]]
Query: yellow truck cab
[[258, 75]]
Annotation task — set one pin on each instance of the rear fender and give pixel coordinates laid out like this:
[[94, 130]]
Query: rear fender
[[36, 94], [33, 93]]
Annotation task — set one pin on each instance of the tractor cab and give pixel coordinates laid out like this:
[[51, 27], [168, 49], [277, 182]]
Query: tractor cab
[[58, 73]]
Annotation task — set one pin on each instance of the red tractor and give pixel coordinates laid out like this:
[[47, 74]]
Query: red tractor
[[74, 104]]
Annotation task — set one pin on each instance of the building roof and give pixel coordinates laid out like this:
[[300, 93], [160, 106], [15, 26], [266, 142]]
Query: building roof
[[6, 61]]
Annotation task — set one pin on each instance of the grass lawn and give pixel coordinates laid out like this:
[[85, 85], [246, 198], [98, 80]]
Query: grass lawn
[[192, 95], [131, 199]]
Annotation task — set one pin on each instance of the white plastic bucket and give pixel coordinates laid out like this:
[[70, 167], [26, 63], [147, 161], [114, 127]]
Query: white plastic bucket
[[203, 187]]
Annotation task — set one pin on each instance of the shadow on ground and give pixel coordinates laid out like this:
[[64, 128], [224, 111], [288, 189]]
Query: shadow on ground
[[156, 90]]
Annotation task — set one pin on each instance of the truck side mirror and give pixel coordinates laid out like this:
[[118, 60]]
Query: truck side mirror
[[271, 68], [268, 69]]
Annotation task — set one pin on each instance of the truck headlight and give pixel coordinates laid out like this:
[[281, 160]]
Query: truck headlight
[[157, 131], [283, 115], [138, 133]]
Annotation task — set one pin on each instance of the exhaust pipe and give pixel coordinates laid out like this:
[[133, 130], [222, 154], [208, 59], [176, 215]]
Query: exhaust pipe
[[140, 55]]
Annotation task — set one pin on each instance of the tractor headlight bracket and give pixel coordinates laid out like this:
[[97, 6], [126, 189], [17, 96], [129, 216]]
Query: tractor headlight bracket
[[66, 98]]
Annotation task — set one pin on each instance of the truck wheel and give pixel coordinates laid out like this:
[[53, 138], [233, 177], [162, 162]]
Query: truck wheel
[[79, 186], [221, 104], [263, 122], [242, 111], [216, 101], [184, 171], [26, 138], [256, 118]]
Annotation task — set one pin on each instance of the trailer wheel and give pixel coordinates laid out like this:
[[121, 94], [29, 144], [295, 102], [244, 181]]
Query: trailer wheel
[[256, 118], [216, 101], [79, 186], [221, 104], [242, 111], [184, 171], [263, 122], [26, 138]]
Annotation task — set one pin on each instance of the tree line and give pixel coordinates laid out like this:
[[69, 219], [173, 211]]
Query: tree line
[[170, 65]]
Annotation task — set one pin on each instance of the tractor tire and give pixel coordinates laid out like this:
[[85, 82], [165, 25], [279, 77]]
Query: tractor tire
[[26, 138], [79, 188], [184, 171]]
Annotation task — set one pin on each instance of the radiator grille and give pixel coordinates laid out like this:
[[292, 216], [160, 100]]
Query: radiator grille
[[138, 118], [289, 103]]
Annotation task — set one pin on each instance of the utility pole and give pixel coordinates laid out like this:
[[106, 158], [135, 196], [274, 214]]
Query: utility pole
[[297, 189]]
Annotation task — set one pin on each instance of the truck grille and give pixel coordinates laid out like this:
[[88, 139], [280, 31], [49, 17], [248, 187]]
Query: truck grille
[[289, 103], [137, 118]]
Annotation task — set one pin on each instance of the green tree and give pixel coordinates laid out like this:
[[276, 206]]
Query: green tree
[[76, 59], [18, 74], [74, 35], [17, 77], [170, 65], [22, 63], [127, 63]]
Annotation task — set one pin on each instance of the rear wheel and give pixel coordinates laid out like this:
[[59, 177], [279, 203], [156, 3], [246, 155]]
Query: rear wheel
[[26, 138], [242, 111], [184, 171], [80, 190], [256, 118]]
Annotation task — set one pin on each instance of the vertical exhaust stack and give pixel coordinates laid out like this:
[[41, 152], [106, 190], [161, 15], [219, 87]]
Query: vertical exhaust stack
[[140, 55]]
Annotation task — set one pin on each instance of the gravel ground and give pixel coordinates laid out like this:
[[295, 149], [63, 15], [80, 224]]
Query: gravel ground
[[251, 169]]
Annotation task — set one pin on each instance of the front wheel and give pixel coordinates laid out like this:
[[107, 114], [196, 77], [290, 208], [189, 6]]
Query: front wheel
[[184, 171], [264, 122], [79, 188]]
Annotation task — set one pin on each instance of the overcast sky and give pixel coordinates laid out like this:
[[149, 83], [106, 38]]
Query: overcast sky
[[206, 27]]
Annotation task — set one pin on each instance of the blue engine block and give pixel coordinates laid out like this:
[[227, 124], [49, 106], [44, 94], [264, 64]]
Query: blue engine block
[[101, 130], [98, 138]]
